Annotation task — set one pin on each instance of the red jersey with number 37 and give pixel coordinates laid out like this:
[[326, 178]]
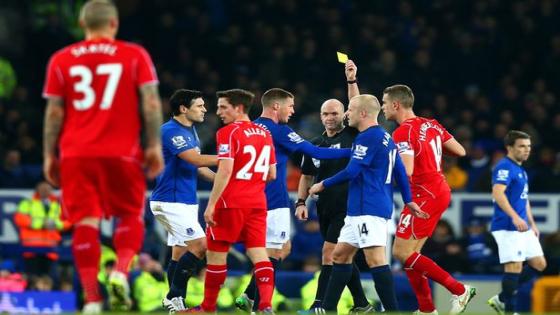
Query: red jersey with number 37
[[99, 81], [252, 151], [422, 138]]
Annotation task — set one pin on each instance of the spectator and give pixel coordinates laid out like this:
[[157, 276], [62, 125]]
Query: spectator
[[39, 221], [150, 287], [445, 249], [11, 281], [480, 247], [456, 177]]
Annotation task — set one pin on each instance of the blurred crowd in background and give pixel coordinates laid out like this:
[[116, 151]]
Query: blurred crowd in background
[[480, 67]]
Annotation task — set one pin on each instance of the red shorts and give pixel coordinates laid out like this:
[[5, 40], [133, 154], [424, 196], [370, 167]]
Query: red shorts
[[434, 204], [101, 187], [238, 225]]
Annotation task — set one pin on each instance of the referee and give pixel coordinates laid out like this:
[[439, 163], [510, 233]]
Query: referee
[[331, 205]]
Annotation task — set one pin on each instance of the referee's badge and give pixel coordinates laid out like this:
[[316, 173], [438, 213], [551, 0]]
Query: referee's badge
[[316, 162]]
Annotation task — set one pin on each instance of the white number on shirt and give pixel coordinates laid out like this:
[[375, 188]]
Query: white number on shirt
[[392, 157], [436, 147], [114, 70], [260, 166]]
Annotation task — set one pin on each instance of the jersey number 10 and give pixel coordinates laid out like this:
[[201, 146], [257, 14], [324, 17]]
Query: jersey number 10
[[113, 70], [256, 164]]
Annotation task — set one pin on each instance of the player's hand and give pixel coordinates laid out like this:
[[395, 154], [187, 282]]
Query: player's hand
[[520, 224], [153, 161], [316, 188], [535, 230], [350, 70], [416, 211], [302, 212], [51, 170], [209, 216]]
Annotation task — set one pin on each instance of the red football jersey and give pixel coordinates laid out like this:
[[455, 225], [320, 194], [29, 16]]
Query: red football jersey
[[252, 151], [99, 81], [423, 138]]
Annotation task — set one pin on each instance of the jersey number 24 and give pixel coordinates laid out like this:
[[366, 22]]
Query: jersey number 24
[[256, 164]]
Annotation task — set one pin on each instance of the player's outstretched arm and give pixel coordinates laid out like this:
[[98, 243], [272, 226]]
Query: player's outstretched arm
[[151, 113], [206, 174], [199, 160], [452, 147], [54, 117], [499, 195], [323, 153], [351, 70]]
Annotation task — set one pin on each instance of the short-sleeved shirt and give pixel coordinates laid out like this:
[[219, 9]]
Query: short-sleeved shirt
[[177, 182], [99, 81], [423, 139], [332, 199], [514, 177], [251, 149], [371, 192], [286, 141]]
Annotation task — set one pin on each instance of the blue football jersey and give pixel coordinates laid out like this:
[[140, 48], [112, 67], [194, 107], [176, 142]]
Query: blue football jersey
[[371, 191], [513, 175], [177, 182]]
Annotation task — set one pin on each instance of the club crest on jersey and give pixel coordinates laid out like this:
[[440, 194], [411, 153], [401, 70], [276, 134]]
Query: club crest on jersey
[[178, 141], [223, 149], [294, 137], [502, 175], [316, 162], [360, 151]]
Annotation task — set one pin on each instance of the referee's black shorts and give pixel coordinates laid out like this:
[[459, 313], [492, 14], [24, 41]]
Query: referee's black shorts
[[330, 224]]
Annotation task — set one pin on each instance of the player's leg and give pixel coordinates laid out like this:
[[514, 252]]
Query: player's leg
[[343, 256], [83, 205], [324, 276], [420, 284], [254, 237], [123, 187], [216, 273]]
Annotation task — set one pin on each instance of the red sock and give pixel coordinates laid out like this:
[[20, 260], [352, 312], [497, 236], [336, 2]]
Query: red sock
[[264, 276], [429, 268], [421, 288], [215, 278], [87, 252], [128, 239]]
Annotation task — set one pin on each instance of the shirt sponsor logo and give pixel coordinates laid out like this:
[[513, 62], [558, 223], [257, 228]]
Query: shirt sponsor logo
[[360, 151], [294, 137], [502, 175], [179, 141], [223, 149]]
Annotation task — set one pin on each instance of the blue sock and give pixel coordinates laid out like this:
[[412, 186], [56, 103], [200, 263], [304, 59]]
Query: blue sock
[[527, 274], [340, 276], [355, 287], [171, 271], [385, 287], [510, 282], [186, 267]]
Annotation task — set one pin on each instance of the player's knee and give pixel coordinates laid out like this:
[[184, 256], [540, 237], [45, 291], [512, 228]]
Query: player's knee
[[341, 258], [199, 248], [400, 252], [539, 264]]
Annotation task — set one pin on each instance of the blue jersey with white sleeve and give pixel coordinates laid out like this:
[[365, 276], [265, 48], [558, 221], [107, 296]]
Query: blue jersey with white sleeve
[[177, 182], [370, 171], [514, 177], [287, 141]]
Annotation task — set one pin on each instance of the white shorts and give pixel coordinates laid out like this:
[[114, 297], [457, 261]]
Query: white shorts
[[277, 227], [179, 220], [364, 231], [514, 246]]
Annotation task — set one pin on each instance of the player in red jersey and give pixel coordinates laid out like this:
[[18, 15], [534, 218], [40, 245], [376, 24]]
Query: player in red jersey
[[236, 208], [421, 143], [92, 118]]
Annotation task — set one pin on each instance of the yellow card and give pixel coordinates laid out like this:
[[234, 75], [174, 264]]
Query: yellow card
[[342, 57]]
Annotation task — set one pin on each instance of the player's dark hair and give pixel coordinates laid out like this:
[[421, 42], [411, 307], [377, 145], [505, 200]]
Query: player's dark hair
[[275, 95], [238, 97], [401, 93], [182, 97], [513, 135]]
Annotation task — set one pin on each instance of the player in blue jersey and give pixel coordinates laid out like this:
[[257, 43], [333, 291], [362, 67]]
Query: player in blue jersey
[[513, 225], [370, 173], [278, 107], [174, 202]]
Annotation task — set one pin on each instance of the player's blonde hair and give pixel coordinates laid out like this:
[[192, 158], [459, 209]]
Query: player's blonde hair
[[368, 103], [96, 14], [401, 93]]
